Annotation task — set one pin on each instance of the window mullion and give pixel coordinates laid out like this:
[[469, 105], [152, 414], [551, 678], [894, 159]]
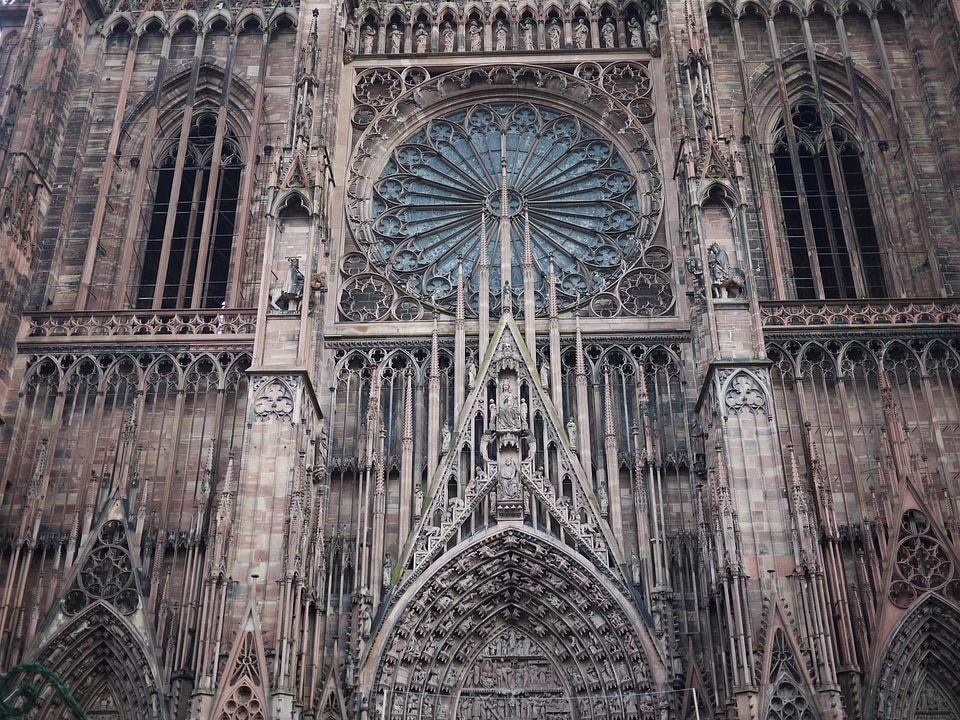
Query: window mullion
[[211, 207], [841, 196], [172, 209], [191, 236], [805, 217]]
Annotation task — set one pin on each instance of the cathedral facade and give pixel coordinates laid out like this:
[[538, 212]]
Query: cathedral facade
[[466, 360]]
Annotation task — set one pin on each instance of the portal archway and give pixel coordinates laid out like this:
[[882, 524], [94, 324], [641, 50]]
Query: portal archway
[[513, 600]]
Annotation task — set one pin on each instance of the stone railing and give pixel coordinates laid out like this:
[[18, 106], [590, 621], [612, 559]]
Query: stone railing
[[163, 325], [853, 313]]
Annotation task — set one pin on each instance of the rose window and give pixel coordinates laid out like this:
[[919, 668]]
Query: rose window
[[503, 175]]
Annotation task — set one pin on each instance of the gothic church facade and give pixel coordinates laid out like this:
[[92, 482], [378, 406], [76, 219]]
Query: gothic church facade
[[481, 360]]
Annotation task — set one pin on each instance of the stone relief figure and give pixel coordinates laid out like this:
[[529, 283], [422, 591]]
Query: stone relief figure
[[422, 35], [580, 33], [509, 482], [448, 37], [286, 296], [635, 32], [476, 36], [608, 33], [500, 35], [396, 38], [554, 34], [508, 414], [526, 34], [367, 35]]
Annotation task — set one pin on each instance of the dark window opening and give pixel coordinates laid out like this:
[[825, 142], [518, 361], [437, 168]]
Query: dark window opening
[[186, 258], [830, 232]]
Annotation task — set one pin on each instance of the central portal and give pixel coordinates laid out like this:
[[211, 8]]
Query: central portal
[[512, 679]]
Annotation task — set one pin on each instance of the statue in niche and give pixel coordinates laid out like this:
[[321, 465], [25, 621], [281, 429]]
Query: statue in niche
[[524, 415], [367, 35], [726, 282], [500, 35], [476, 36], [572, 433], [448, 37], [554, 34], [635, 32], [508, 414], [349, 40], [417, 501], [634, 567], [471, 374], [526, 34], [366, 621], [509, 481], [608, 33], [445, 439], [387, 570], [286, 296], [580, 33], [422, 35], [652, 27], [602, 498], [545, 376], [396, 38], [492, 418]]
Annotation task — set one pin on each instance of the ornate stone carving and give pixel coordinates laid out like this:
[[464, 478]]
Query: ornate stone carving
[[106, 574], [274, 396], [286, 296]]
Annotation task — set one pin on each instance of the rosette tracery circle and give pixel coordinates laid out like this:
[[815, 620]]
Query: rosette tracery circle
[[498, 174]]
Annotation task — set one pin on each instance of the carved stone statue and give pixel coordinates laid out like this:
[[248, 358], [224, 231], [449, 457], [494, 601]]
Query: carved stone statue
[[367, 35], [396, 38], [366, 621], [448, 37], [471, 375], [572, 433], [286, 296], [349, 40], [603, 498], [608, 33], [421, 36], [508, 414], [554, 34], [444, 439], [526, 34], [545, 376], [476, 36], [417, 501], [387, 570], [652, 27], [509, 482], [634, 567], [726, 282], [635, 32], [580, 33], [500, 35]]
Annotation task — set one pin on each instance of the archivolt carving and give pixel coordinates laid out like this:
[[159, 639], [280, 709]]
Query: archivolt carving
[[456, 642], [918, 668], [105, 666]]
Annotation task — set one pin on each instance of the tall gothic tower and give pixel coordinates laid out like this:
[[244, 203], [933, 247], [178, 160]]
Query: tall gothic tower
[[481, 360]]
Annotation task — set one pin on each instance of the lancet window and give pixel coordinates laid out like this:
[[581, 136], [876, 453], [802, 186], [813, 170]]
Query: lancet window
[[830, 230], [190, 230]]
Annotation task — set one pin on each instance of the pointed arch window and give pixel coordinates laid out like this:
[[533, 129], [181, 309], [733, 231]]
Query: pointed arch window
[[190, 230], [831, 236]]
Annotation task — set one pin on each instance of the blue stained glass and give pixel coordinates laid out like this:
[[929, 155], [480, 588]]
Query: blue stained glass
[[585, 209]]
